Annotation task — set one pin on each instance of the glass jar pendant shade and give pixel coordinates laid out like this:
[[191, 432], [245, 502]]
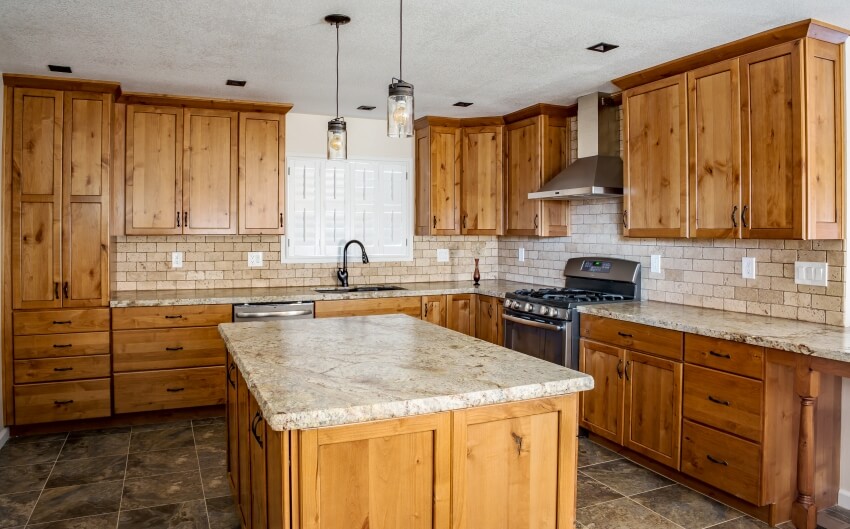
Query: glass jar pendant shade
[[400, 99], [337, 140]]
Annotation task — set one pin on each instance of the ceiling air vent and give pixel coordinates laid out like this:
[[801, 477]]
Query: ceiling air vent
[[234, 82], [58, 68], [462, 104], [365, 107], [603, 47]]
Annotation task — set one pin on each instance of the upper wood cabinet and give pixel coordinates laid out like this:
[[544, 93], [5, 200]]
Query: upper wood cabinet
[[438, 168], [60, 198], [261, 173], [483, 181], [655, 159]]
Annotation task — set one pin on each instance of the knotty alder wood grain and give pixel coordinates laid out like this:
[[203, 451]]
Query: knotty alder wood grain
[[62, 401], [602, 408], [434, 309], [488, 319], [483, 181], [412, 306], [461, 312], [166, 348], [556, 149], [261, 173], [61, 321], [62, 368], [524, 168], [422, 211], [445, 180], [168, 317], [168, 389], [725, 401], [61, 345]]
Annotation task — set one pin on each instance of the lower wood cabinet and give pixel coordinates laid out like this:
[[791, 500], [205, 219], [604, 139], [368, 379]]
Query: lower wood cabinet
[[410, 305], [488, 319], [461, 312], [434, 309], [169, 389], [62, 401]]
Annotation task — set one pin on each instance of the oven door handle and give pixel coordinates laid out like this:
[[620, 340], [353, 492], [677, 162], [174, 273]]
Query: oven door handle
[[532, 323]]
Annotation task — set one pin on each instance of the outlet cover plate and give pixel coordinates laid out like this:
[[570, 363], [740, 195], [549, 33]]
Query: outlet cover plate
[[655, 264], [521, 255], [807, 273], [443, 255], [176, 259], [255, 258], [748, 267]]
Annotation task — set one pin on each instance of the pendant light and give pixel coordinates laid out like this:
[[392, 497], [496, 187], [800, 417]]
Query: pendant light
[[337, 137], [400, 99]]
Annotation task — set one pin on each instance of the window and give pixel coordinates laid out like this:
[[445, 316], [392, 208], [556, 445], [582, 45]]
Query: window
[[331, 202]]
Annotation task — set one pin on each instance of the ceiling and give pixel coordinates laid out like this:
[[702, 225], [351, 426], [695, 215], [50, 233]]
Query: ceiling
[[501, 55]]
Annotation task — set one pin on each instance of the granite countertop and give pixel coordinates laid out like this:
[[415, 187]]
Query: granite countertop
[[228, 296], [824, 341], [335, 371]]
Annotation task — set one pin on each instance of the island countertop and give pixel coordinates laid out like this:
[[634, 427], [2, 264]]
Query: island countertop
[[335, 371]]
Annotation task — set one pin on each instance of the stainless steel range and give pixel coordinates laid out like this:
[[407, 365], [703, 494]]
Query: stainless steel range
[[544, 322]]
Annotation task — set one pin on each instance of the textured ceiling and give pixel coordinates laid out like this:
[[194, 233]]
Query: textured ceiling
[[500, 54]]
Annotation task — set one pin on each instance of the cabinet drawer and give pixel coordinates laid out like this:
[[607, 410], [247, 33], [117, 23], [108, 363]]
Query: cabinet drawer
[[166, 317], [65, 368], [410, 305], [62, 401], [727, 402], [175, 388], [653, 340], [56, 345], [732, 357], [722, 460], [167, 349], [61, 321]]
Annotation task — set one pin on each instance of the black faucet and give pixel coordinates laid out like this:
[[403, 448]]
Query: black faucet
[[342, 273]]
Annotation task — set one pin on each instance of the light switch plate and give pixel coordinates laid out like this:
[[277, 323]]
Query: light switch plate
[[815, 274], [521, 254], [255, 258], [655, 264], [443, 255], [176, 259], [748, 267]]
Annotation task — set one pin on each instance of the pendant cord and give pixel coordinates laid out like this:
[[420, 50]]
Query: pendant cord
[[400, 35], [337, 71]]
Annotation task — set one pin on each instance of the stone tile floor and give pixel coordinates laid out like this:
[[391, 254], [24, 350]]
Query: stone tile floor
[[172, 475]]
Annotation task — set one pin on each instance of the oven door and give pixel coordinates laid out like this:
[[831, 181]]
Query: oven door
[[538, 337]]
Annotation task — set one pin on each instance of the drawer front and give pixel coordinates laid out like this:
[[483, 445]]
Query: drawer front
[[652, 340], [724, 401], [61, 345], [167, 317], [167, 349], [175, 388], [62, 401], [732, 357], [61, 321], [722, 460], [410, 305], [66, 368]]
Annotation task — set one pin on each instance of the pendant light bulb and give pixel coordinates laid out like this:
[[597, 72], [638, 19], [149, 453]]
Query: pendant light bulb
[[400, 99], [337, 139]]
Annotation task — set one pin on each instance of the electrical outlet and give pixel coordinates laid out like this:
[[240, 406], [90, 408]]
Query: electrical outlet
[[748, 267], [176, 259], [655, 264], [521, 255], [255, 258], [814, 274]]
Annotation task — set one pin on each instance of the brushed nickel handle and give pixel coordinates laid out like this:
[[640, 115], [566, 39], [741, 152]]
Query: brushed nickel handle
[[734, 216]]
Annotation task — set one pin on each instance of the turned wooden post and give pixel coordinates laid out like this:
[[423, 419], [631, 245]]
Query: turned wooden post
[[804, 512]]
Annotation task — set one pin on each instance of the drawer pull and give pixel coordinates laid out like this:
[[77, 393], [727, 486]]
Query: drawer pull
[[173, 317], [624, 334], [61, 345], [63, 368], [720, 355], [62, 402], [718, 401], [230, 370], [716, 461], [254, 423], [61, 322], [174, 348], [174, 390]]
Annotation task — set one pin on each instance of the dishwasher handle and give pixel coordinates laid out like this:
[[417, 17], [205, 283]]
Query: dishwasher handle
[[282, 313]]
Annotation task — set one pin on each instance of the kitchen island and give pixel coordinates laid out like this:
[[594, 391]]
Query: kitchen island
[[388, 421]]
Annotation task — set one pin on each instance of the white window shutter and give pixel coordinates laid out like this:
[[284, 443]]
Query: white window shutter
[[393, 205], [302, 207]]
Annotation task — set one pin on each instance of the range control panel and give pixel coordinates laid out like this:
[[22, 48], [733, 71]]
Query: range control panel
[[598, 267]]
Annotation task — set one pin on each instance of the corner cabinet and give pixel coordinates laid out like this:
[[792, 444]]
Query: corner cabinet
[[438, 168]]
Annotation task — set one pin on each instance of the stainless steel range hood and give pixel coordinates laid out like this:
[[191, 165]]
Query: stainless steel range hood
[[598, 170]]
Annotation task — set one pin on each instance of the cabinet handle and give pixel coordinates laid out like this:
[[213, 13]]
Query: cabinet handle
[[426, 310], [734, 216], [744, 216], [174, 348], [61, 345], [720, 355], [61, 402], [65, 289], [185, 219], [620, 369], [56, 290], [435, 221], [230, 370], [536, 221], [254, 423], [490, 310], [174, 390], [624, 334], [718, 401], [628, 367], [173, 316], [464, 221], [716, 461], [281, 220], [178, 219], [63, 368], [626, 218], [61, 322]]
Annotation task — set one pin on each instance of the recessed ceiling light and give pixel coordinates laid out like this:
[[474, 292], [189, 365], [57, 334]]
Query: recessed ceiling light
[[365, 107], [603, 47], [462, 104], [234, 82], [58, 68]]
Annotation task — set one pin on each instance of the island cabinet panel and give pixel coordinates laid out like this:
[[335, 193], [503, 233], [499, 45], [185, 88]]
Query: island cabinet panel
[[257, 456], [601, 409], [513, 465], [410, 305], [488, 319], [232, 418], [381, 475], [461, 313], [243, 451], [434, 310]]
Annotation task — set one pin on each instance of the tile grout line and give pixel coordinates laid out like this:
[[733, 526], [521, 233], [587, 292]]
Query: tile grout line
[[124, 481], [200, 475], [41, 492], [652, 511]]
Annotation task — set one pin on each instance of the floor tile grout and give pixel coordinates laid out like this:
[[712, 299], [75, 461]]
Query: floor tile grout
[[201, 476], [35, 505]]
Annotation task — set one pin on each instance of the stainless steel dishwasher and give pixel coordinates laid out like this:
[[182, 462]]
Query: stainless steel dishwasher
[[273, 311]]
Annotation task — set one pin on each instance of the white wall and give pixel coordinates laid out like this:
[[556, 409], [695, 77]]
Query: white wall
[[306, 135]]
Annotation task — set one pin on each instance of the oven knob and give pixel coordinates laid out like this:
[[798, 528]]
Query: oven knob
[[529, 307], [544, 311]]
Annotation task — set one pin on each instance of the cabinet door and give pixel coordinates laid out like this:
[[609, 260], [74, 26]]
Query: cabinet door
[[423, 182], [36, 198], [524, 170], [445, 181], [209, 171], [714, 156], [261, 173], [655, 159], [555, 214], [483, 181], [488, 320], [232, 417], [381, 475], [154, 184], [513, 465], [244, 447], [259, 498], [85, 200], [602, 407], [434, 309], [461, 312], [653, 407], [772, 155]]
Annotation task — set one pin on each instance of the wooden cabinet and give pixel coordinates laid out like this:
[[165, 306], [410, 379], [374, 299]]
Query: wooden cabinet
[[483, 181], [410, 305], [257, 456], [461, 312], [438, 169], [655, 159], [538, 149], [261, 173], [488, 319], [434, 310], [243, 448], [232, 417]]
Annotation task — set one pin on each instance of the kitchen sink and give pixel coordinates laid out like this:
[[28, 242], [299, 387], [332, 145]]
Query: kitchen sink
[[366, 288]]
